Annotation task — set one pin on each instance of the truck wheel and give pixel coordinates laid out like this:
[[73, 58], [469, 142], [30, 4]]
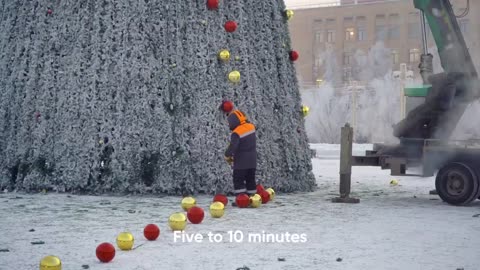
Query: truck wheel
[[457, 183]]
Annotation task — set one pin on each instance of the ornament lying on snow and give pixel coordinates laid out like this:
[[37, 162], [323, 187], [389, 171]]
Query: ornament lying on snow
[[255, 201], [271, 192], [177, 222], [221, 197], [394, 182], [265, 196], [195, 215], [188, 202], [217, 209], [50, 263], [151, 232], [242, 200], [125, 241], [105, 252]]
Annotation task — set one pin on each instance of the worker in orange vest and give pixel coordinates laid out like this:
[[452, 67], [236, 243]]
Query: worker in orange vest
[[242, 153]]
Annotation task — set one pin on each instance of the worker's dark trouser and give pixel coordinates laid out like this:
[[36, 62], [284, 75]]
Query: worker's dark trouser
[[244, 181]]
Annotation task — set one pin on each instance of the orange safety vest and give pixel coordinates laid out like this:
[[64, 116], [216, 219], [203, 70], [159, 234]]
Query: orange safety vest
[[244, 130]]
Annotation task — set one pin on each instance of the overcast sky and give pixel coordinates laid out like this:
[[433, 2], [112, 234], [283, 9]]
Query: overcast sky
[[294, 3]]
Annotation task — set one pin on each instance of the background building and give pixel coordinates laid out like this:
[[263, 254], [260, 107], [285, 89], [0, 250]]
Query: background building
[[335, 39]]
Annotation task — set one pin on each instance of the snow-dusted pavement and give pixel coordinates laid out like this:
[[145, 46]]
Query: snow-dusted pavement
[[399, 227]]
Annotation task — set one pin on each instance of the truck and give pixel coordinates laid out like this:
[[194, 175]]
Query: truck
[[424, 134]]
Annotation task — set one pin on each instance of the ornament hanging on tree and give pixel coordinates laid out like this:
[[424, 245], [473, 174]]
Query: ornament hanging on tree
[[289, 14], [212, 4], [226, 107], [224, 55], [294, 55], [305, 110], [230, 26], [234, 76]]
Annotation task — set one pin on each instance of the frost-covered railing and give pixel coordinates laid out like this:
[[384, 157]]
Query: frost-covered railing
[[338, 3]]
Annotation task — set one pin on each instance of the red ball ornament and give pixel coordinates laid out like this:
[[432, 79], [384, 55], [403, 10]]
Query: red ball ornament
[[265, 196], [242, 200], [260, 188], [151, 232], [105, 252], [221, 198], [49, 12], [212, 4], [195, 215], [227, 106], [230, 26], [294, 55]]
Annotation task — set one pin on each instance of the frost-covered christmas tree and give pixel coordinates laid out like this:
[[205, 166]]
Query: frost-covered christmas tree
[[123, 95]]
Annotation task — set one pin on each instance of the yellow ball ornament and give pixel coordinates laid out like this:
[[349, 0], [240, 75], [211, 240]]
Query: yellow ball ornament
[[234, 76], [125, 241], [224, 55], [394, 182], [305, 110], [188, 202], [217, 209], [272, 193], [289, 13], [255, 201], [177, 221], [50, 263]]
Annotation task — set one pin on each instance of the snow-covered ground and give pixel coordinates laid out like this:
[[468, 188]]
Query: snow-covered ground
[[393, 227]]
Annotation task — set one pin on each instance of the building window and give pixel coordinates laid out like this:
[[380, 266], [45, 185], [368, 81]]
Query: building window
[[414, 31], [347, 59], [394, 32], [380, 32], [395, 57], [319, 36], [330, 36], [394, 26], [361, 33], [380, 28], [414, 56], [349, 34], [414, 27]]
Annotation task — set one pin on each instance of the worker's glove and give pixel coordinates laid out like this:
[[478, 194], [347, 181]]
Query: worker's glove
[[229, 160]]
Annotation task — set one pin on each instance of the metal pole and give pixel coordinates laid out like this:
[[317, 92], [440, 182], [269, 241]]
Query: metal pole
[[424, 34], [346, 166]]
